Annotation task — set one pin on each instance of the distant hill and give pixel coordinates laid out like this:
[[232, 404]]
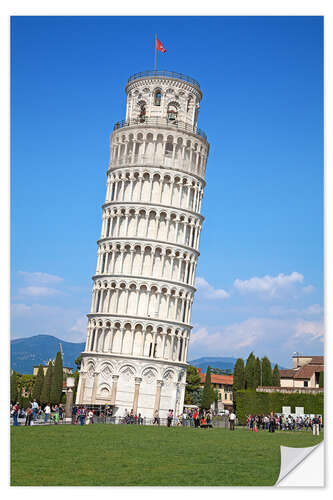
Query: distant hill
[[31, 351], [28, 352], [221, 363]]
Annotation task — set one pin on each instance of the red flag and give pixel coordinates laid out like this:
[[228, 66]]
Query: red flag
[[159, 46]]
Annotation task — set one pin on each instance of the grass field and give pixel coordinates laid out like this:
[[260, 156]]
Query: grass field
[[126, 455]]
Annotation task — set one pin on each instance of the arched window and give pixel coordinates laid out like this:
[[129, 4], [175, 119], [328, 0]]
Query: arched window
[[172, 111], [157, 97], [142, 112]]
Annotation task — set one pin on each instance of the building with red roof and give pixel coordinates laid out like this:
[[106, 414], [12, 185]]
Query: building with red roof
[[305, 372], [223, 385]]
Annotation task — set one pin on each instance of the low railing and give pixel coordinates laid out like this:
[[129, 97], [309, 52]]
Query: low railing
[[161, 122], [165, 74], [107, 419]]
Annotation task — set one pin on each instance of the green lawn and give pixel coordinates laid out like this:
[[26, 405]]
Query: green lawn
[[127, 455]]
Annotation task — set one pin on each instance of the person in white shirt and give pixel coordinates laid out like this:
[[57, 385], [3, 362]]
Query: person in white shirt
[[34, 406], [47, 411], [232, 418]]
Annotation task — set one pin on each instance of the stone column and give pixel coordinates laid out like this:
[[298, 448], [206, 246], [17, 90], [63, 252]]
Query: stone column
[[83, 376], [159, 384], [136, 394], [69, 405], [94, 390], [114, 388]]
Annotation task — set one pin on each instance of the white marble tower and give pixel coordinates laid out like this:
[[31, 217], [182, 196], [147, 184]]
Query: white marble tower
[[139, 323]]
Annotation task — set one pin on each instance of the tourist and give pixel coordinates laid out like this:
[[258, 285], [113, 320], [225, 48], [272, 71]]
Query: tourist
[[170, 418], [203, 422], [156, 418], [61, 413], [315, 426], [34, 406], [271, 426], [47, 412], [232, 418], [15, 413], [90, 417], [140, 419], [196, 418], [29, 416], [56, 414], [131, 417], [74, 415], [82, 414]]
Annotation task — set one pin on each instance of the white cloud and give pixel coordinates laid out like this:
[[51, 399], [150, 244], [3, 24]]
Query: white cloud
[[208, 291], [312, 310], [40, 278], [314, 329], [274, 337], [49, 320], [271, 285], [38, 291], [80, 325], [21, 309]]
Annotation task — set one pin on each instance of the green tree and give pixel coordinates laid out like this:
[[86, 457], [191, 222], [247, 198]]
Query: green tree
[[38, 386], [321, 379], [257, 373], [276, 376], [57, 379], [250, 368], [78, 362], [239, 375], [192, 383], [239, 380], [197, 396], [266, 371], [207, 395], [13, 388], [46, 390]]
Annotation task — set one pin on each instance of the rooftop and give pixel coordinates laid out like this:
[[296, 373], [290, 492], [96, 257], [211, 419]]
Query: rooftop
[[162, 73], [217, 379]]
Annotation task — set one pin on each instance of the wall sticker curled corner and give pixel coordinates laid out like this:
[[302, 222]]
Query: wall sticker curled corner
[[291, 458]]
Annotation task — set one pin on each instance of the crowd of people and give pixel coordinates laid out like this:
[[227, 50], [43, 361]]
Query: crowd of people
[[190, 417], [35, 413], [273, 422]]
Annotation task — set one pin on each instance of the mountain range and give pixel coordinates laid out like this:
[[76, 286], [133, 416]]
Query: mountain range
[[31, 351], [28, 352]]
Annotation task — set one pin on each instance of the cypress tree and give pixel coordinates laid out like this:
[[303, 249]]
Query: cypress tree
[[257, 373], [45, 395], [57, 378], [276, 376], [38, 386], [239, 375], [13, 388], [207, 392], [266, 371], [250, 372], [192, 383], [321, 379]]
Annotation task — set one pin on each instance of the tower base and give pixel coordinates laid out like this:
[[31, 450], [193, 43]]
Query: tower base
[[142, 385]]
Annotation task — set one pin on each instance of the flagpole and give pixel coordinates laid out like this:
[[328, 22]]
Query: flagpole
[[155, 51]]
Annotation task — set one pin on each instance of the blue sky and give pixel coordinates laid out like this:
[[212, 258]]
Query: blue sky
[[260, 272]]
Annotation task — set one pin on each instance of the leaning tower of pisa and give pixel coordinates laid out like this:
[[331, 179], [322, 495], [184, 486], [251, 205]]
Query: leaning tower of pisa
[[139, 323]]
